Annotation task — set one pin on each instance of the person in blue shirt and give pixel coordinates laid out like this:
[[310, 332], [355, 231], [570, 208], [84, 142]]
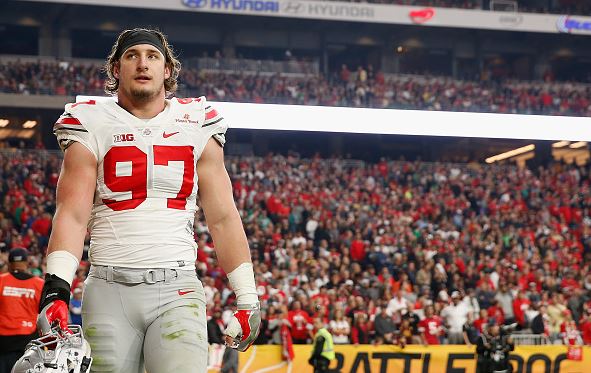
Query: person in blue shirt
[[76, 307]]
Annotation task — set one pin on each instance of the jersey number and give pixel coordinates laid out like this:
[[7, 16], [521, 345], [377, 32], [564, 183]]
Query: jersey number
[[137, 181]]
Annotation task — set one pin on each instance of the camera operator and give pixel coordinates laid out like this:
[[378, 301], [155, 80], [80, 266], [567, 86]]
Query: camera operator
[[493, 348]]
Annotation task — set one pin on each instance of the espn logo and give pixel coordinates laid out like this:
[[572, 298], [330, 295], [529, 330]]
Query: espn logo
[[124, 137], [10, 291]]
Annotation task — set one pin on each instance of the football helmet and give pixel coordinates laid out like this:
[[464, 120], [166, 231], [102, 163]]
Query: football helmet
[[57, 352]]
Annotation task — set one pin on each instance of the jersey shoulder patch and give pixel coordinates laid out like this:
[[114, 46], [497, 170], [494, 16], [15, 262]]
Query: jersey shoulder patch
[[73, 126], [214, 125], [212, 116]]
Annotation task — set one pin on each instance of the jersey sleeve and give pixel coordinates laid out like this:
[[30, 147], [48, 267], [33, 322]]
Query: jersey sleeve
[[68, 129], [214, 126]]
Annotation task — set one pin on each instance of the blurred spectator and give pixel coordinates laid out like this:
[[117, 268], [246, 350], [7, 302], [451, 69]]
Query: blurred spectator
[[481, 322], [556, 311], [406, 333], [384, 326], [76, 306], [431, 327], [471, 332], [495, 312], [215, 328], [300, 323], [360, 330], [398, 304], [520, 306], [340, 328], [539, 323], [586, 329], [20, 294], [276, 322], [569, 331], [455, 316], [505, 301]]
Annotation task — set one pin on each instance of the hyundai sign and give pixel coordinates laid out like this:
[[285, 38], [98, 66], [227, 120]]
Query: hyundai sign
[[349, 11], [568, 24], [235, 5]]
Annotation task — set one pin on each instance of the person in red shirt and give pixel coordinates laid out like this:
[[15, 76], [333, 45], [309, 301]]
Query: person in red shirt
[[496, 312], [569, 283], [431, 327], [358, 248], [585, 326], [520, 305], [20, 294], [322, 297], [42, 225], [360, 330], [300, 323], [481, 321]]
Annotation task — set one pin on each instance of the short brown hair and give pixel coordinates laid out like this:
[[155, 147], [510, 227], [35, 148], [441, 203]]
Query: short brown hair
[[170, 84]]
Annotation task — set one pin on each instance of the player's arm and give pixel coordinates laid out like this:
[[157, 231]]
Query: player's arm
[[217, 201], [231, 245], [75, 193]]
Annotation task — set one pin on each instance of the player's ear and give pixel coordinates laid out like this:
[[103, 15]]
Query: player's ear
[[116, 70], [167, 71]]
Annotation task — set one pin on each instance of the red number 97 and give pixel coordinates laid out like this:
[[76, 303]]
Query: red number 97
[[137, 181]]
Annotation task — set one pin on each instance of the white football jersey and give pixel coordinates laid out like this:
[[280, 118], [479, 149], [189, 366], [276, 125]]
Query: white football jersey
[[146, 189]]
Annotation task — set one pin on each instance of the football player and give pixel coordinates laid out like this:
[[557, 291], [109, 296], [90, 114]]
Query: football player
[[132, 170]]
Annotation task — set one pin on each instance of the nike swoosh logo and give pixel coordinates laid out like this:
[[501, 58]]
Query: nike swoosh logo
[[185, 292], [167, 135]]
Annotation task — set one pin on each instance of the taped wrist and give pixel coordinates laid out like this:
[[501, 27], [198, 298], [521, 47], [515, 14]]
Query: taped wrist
[[242, 282], [55, 288], [63, 264]]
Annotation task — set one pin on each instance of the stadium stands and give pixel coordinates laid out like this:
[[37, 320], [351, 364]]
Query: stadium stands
[[343, 237], [361, 88], [385, 252]]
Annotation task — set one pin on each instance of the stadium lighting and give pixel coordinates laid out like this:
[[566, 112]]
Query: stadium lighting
[[30, 124], [578, 145], [398, 122], [4, 122], [560, 144], [511, 153]]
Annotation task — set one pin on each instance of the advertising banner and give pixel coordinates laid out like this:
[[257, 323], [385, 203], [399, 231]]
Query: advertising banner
[[363, 12], [413, 359]]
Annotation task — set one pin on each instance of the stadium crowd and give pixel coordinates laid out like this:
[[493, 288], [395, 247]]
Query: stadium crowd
[[387, 252], [555, 7], [362, 87]]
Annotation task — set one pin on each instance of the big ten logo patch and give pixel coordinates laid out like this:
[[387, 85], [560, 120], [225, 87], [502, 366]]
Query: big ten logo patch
[[123, 137]]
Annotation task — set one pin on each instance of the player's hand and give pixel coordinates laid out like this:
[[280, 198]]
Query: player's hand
[[53, 307], [52, 315], [243, 327]]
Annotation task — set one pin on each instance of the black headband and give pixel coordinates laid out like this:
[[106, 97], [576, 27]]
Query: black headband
[[139, 37]]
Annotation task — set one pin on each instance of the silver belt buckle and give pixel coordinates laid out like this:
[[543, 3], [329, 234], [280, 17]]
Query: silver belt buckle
[[172, 275], [150, 276]]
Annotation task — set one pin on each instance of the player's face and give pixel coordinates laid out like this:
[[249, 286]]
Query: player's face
[[141, 72]]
